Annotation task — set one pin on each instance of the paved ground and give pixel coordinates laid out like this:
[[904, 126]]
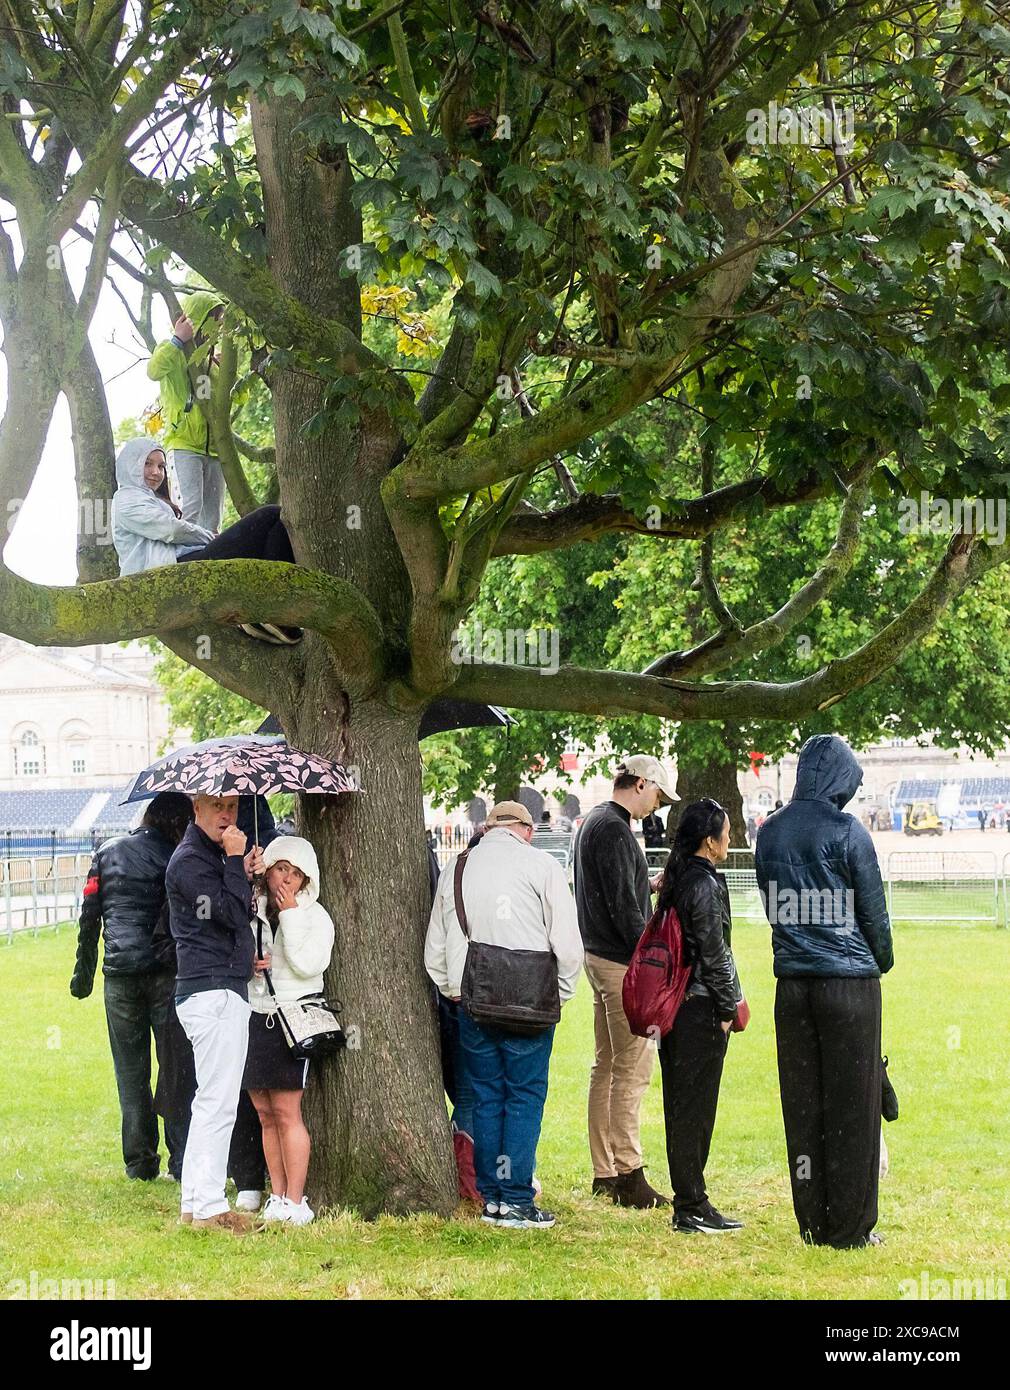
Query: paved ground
[[980, 846]]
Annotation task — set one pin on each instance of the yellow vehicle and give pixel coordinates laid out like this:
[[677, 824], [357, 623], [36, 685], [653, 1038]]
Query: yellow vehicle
[[921, 819]]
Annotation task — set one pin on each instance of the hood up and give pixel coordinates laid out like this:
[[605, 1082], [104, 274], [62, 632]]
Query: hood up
[[130, 461], [197, 306], [301, 854], [827, 771]]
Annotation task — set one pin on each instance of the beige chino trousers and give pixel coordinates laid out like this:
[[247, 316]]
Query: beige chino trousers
[[620, 1075]]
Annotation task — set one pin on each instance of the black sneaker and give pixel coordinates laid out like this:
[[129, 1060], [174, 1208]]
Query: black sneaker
[[528, 1218], [710, 1223], [491, 1213]]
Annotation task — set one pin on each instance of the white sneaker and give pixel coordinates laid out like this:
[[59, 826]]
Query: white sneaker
[[277, 1209], [300, 1214], [249, 1200]]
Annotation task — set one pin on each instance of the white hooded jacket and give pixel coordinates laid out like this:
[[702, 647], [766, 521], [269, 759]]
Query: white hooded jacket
[[145, 530], [301, 949]]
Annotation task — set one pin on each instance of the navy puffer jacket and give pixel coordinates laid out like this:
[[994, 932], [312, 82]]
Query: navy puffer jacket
[[818, 873]]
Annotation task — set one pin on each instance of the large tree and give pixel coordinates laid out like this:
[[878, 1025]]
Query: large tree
[[788, 216]]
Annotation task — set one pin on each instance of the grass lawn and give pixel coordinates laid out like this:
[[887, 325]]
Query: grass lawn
[[66, 1211]]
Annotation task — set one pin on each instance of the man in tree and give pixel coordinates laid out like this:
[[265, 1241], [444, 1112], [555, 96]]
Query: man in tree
[[187, 430]]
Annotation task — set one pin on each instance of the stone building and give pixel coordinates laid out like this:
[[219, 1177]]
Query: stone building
[[73, 718]]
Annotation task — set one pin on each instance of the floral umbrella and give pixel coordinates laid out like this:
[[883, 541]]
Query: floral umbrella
[[241, 765]]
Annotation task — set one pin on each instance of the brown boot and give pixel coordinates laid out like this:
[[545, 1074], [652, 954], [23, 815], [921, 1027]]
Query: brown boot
[[235, 1221], [632, 1190], [604, 1187]]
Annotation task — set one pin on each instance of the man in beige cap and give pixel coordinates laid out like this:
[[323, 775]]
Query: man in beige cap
[[612, 897], [517, 898]]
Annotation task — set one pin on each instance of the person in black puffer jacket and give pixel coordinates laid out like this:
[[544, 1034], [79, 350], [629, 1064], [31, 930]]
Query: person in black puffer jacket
[[692, 1053], [124, 893], [820, 884]]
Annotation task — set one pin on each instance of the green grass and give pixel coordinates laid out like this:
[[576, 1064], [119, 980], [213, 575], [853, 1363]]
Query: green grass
[[67, 1212]]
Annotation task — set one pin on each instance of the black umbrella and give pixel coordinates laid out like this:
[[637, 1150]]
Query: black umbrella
[[440, 716]]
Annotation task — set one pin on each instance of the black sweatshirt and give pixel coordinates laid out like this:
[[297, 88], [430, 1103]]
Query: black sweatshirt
[[210, 906], [611, 884]]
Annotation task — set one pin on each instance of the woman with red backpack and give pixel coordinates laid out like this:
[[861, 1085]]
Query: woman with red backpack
[[692, 1053]]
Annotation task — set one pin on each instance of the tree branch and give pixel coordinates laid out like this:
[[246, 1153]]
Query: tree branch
[[727, 648], [593, 516], [177, 597], [612, 693]]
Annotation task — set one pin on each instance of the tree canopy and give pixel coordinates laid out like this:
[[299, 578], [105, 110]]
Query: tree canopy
[[790, 217]]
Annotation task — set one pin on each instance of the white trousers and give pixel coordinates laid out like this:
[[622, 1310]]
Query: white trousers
[[201, 488], [216, 1021]]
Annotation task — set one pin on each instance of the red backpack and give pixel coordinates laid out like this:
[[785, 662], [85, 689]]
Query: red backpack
[[657, 978]]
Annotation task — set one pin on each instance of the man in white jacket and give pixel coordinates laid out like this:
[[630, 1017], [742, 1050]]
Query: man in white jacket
[[516, 897]]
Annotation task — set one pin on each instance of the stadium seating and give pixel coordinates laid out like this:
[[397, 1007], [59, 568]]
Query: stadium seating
[[49, 810], [976, 792]]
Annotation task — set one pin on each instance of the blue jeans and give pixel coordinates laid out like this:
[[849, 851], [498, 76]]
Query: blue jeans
[[455, 1070], [509, 1077]]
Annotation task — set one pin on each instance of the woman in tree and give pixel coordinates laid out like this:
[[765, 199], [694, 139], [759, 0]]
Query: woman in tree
[[294, 943], [149, 530], [692, 1053]]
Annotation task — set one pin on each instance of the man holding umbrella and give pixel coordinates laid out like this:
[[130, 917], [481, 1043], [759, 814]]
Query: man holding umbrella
[[210, 904]]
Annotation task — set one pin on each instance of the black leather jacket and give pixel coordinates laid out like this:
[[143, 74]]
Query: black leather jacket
[[702, 902], [124, 892]]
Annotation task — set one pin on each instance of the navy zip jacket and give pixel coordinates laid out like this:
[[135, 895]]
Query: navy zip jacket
[[818, 874], [210, 909]]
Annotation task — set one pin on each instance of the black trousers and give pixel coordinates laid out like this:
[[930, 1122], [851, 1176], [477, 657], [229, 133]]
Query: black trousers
[[137, 1008], [828, 1039], [260, 535], [691, 1058]]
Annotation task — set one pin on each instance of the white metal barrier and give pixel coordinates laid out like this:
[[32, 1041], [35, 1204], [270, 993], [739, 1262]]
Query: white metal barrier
[[943, 886], [41, 890]]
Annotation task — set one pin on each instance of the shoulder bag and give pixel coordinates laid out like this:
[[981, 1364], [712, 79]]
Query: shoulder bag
[[310, 1024], [516, 991]]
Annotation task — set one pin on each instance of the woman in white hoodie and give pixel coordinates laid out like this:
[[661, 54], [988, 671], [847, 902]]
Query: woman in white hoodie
[[149, 530], [297, 940]]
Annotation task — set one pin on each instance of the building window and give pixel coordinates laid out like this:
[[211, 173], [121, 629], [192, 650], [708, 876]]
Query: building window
[[79, 766], [29, 755]]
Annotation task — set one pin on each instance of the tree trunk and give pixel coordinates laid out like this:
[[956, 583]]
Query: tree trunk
[[377, 1111], [706, 768]]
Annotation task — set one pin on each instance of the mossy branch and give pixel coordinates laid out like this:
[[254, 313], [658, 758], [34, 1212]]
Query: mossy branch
[[195, 596]]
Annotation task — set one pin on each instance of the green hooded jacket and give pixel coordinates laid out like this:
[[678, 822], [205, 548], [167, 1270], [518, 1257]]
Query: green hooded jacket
[[185, 425]]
